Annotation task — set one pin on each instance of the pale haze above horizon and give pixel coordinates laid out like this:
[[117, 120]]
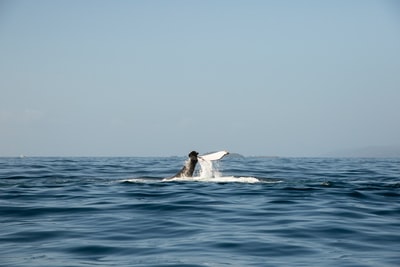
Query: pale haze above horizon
[[161, 78]]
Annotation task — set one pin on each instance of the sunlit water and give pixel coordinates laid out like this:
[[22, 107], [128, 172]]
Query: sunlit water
[[252, 212]]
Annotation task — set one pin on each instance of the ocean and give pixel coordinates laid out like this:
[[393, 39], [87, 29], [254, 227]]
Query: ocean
[[83, 211]]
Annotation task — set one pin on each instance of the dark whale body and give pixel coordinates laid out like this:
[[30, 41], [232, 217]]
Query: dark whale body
[[188, 169]]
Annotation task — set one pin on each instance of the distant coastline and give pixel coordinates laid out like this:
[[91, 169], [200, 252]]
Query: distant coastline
[[368, 152], [363, 152]]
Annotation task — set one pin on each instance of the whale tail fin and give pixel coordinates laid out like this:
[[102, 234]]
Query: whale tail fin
[[214, 156]]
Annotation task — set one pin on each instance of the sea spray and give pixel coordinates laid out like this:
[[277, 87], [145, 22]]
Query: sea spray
[[207, 169]]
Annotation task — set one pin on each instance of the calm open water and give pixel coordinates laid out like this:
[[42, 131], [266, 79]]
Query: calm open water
[[118, 212]]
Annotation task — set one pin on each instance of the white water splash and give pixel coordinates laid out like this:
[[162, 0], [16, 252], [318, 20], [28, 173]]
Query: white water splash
[[207, 169], [209, 172], [221, 179]]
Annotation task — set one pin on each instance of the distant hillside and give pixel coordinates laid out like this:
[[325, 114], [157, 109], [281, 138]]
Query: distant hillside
[[369, 152], [234, 155]]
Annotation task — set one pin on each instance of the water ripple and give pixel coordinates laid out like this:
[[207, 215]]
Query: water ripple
[[118, 211]]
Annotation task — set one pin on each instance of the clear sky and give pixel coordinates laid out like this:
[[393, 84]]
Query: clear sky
[[160, 78]]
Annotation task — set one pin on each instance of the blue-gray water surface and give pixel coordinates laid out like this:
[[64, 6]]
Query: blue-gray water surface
[[119, 212]]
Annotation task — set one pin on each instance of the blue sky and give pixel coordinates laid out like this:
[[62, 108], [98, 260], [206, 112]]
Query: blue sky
[[143, 78]]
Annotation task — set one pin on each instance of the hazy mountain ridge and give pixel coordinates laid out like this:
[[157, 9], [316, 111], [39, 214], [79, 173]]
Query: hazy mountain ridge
[[369, 152]]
